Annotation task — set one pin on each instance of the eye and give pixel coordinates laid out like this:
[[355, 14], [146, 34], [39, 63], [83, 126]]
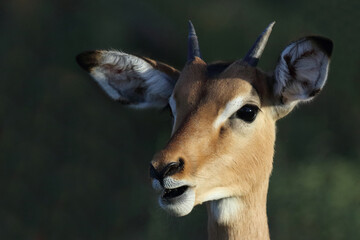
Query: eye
[[247, 113]]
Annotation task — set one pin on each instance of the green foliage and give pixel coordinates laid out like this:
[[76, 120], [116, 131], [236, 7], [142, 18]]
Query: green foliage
[[318, 200], [74, 165]]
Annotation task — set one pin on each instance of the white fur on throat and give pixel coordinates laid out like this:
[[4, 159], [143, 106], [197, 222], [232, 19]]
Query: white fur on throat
[[226, 209]]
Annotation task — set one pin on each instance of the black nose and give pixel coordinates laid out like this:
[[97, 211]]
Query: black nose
[[170, 169]]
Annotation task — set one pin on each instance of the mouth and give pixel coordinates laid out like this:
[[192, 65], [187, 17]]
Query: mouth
[[177, 197], [178, 201], [173, 193]]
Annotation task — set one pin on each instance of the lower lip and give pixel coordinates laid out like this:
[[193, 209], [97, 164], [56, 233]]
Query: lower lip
[[180, 205], [170, 194]]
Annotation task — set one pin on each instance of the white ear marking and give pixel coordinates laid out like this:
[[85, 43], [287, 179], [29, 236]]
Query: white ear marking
[[129, 79], [100, 78], [230, 108], [302, 69]]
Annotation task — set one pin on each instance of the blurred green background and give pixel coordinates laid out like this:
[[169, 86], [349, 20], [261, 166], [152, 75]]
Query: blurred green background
[[74, 164]]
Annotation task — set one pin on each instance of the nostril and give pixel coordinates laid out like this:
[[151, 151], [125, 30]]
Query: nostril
[[173, 168], [181, 162], [170, 169]]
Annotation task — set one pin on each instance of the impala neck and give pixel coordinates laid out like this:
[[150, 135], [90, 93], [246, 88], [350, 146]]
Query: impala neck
[[239, 217]]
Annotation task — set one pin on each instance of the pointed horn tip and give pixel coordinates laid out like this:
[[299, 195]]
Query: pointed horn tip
[[271, 25], [252, 57], [266, 33], [191, 29]]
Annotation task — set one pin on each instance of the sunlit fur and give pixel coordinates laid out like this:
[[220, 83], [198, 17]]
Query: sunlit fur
[[212, 151], [227, 162], [232, 160]]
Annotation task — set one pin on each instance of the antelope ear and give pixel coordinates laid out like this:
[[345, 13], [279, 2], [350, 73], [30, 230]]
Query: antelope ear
[[301, 72], [136, 81]]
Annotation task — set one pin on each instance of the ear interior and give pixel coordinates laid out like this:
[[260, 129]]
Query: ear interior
[[302, 69], [136, 81]]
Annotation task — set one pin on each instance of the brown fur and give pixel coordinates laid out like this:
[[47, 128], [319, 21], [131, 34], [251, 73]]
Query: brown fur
[[244, 153], [227, 164], [169, 70]]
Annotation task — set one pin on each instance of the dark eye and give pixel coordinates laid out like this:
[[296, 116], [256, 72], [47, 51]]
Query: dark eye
[[247, 113]]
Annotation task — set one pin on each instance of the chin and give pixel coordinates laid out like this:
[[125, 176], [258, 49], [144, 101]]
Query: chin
[[178, 203]]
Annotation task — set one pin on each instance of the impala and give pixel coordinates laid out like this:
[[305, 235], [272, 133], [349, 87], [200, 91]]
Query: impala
[[222, 143]]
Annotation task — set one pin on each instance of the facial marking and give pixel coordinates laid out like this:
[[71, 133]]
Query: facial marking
[[230, 108]]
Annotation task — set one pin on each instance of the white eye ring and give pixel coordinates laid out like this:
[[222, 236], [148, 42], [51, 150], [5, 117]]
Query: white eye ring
[[230, 108]]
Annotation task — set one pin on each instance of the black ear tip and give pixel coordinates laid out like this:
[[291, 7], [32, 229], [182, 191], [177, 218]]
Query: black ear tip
[[87, 60], [324, 44]]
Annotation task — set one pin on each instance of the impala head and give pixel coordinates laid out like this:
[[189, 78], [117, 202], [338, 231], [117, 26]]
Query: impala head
[[224, 113]]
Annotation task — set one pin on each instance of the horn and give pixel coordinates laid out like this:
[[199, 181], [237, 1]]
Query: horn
[[254, 54], [193, 44]]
